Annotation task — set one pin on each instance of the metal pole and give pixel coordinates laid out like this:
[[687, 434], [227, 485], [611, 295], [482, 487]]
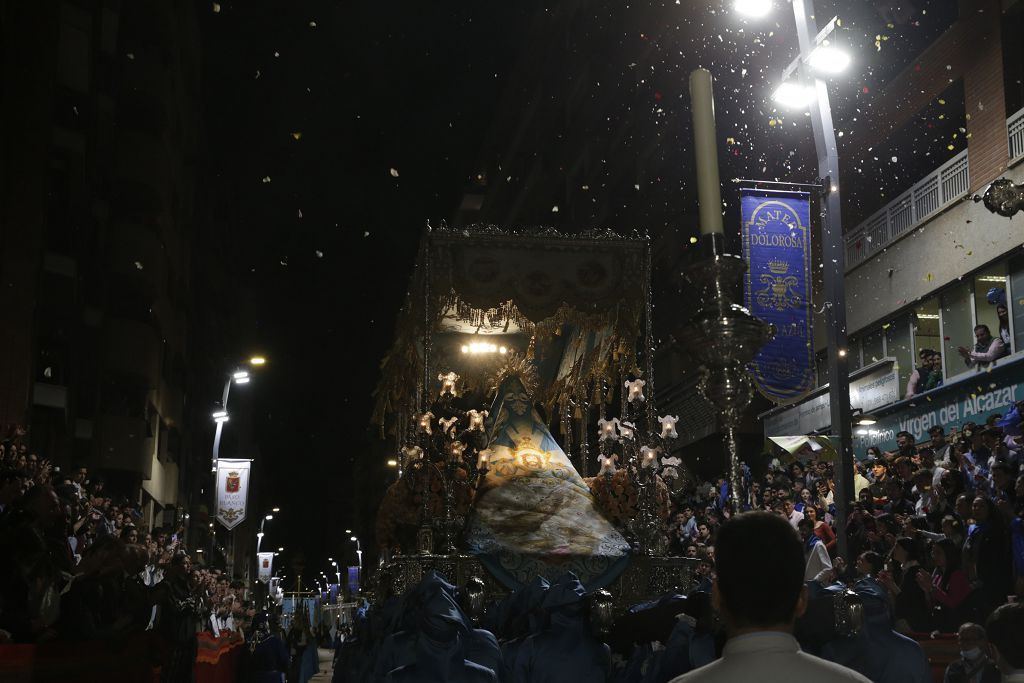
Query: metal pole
[[834, 271], [220, 425]]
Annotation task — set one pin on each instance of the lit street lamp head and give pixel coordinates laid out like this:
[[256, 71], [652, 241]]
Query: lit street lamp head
[[753, 8], [793, 95], [829, 59]]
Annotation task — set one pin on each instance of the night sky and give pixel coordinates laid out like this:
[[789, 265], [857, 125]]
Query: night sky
[[335, 130]]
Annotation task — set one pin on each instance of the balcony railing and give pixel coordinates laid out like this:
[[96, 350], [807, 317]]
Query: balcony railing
[[1015, 129], [939, 189]]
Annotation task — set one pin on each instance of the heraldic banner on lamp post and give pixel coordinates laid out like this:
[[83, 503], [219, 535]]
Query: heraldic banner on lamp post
[[232, 491], [777, 246], [266, 566]]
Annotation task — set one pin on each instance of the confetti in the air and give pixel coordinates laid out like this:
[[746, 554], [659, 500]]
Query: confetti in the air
[[319, 254], [297, 135], [138, 265], [216, 7], [394, 173], [554, 209], [266, 179]]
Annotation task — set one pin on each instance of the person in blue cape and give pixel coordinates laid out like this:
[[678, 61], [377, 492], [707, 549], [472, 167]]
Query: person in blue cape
[[565, 651], [523, 619], [439, 642], [267, 660], [877, 651]]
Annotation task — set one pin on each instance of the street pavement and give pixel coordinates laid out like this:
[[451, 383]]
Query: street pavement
[[326, 668]]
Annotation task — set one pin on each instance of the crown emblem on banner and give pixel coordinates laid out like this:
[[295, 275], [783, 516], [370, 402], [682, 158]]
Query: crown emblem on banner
[[778, 267]]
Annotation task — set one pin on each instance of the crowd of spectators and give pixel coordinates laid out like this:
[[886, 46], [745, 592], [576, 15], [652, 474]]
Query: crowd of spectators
[[939, 522], [80, 565]]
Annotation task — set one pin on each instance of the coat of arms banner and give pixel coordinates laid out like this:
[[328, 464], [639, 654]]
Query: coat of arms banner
[[777, 289], [266, 566], [232, 491]]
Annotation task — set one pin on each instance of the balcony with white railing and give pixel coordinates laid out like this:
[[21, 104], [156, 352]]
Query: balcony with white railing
[[942, 187], [1015, 129]]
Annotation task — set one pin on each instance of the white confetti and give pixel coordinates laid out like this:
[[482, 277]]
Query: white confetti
[[266, 179], [216, 7], [554, 209], [366, 234], [319, 254], [131, 56], [312, 24], [138, 265], [394, 173]]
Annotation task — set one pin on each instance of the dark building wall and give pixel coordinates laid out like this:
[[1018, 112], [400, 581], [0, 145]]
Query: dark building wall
[[97, 251]]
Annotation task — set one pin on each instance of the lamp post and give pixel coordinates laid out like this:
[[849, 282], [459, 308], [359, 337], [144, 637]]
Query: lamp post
[[237, 376], [359, 555], [817, 56], [259, 535]]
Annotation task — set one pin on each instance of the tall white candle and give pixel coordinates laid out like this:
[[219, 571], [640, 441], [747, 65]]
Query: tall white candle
[[705, 146]]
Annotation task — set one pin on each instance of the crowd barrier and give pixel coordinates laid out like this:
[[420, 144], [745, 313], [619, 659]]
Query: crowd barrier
[[941, 649], [135, 659], [218, 660]]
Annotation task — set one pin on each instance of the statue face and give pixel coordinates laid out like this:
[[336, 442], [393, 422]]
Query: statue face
[[518, 402]]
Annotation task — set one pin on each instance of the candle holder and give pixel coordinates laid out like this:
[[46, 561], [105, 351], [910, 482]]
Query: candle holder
[[451, 446], [725, 337]]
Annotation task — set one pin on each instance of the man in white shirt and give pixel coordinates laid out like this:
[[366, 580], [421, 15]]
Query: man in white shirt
[[759, 592], [792, 514], [1005, 630]]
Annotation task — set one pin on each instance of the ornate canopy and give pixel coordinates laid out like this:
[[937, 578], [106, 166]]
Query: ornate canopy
[[572, 302]]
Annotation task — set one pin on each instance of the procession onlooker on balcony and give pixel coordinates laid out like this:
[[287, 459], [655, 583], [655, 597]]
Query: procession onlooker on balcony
[[987, 348], [1004, 324], [919, 377]]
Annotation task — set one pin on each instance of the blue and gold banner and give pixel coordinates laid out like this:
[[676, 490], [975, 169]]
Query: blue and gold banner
[[777, 248]]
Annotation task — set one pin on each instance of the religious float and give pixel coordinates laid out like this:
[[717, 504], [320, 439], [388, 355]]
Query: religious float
[[520, 398]]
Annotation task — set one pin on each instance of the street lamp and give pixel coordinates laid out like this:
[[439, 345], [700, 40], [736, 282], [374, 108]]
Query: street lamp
[[259, 535], [221, 416], [359, 554], [793, 95], [753, 8], [817, 56]]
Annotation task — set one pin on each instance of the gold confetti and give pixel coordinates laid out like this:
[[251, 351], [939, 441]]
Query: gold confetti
[[693, 240], [297, 135], [941, 101]]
